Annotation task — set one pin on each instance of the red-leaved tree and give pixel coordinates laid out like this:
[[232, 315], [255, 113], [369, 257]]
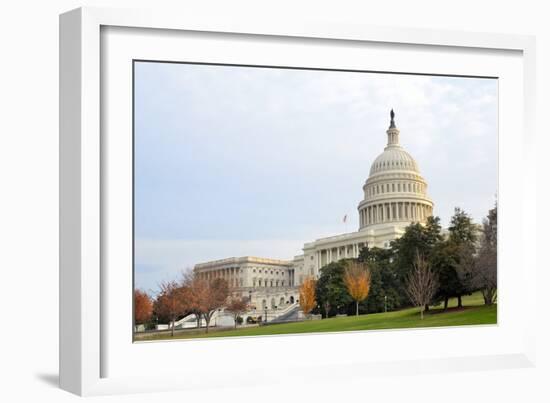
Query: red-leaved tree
[[172, 301], [213, 296], [143, 307], [237, 306]]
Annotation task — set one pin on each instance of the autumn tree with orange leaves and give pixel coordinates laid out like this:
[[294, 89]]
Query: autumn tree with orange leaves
[[172, 301], [237, 306], [212, 297], [143, 308], [357, 281], [196, 290], [307, 295]]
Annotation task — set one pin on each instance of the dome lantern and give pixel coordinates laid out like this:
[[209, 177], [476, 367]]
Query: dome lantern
[[392, 132]]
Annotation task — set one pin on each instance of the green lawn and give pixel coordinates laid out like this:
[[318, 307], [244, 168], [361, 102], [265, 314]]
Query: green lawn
[[474, 313]]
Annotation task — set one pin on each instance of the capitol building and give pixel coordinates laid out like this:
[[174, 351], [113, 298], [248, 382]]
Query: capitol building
[[394, 196]]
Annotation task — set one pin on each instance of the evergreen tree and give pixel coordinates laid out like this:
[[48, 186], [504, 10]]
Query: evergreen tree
[[417, 239], [331, 292], [384, 285], [453, 258]]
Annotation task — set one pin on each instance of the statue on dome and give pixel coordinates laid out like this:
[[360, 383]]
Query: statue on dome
[[392, 115]]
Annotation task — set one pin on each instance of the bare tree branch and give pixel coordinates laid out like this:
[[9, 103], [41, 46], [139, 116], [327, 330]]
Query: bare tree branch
[[422, 284]]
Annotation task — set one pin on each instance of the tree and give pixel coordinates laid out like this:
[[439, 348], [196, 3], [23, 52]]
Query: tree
[[465, 266], [462, 229], [384, 285], [418, 238], [307, 295], [143, 307], [444, 262], [357, 279], [196, 289], [485, 272], [212, 297], [330, 290], [171, 302], [237, 306], [462, 239], [422, 284]]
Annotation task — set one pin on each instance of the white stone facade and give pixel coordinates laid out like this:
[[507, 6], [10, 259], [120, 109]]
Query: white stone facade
[[394, 196], [266, 282]]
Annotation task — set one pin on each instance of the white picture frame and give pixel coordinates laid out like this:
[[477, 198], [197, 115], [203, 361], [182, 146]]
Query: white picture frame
[[88, 336]]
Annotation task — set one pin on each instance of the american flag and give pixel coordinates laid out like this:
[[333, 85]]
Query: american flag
[[345, 218]]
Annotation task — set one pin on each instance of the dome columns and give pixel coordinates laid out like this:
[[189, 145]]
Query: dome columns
[[394, 211]]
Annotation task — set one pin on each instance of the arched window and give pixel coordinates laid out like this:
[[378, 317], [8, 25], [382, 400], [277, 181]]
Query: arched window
[[281, 301], [291, 299]]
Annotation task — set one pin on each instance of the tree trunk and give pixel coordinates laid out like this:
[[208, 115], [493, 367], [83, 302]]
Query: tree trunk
[[356, 308], [421, 312], [488, 296], [427, 308], [173, 325], [198, 320], [459, 301], [446, 305]]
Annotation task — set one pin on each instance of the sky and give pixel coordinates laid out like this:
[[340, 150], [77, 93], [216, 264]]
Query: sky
[[235, 161]]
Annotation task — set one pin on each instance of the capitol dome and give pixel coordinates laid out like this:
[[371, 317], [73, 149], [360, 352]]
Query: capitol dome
[[393, 159], [395, 192]]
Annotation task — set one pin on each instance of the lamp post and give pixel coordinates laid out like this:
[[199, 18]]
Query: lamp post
[[385, 303], [265, 309]]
